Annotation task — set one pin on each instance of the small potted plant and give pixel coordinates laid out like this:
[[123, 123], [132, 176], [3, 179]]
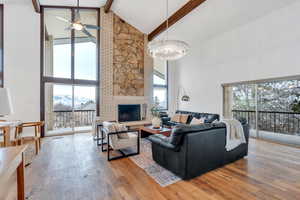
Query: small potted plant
[[155, 110]]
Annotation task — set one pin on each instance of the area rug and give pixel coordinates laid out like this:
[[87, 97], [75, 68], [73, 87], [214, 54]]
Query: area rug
[[144, 160]]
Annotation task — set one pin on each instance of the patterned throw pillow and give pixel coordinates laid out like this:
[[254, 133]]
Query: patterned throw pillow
[[121, 127], [176, 118], [184, 118]]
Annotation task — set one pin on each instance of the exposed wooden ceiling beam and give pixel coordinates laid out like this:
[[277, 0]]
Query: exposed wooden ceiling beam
[[108, 5], [183, 11], [36, 5]]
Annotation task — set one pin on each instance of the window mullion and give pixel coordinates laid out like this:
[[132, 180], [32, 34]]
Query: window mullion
[[72, 47]]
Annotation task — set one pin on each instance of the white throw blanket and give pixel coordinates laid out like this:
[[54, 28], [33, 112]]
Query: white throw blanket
[[235, 133]]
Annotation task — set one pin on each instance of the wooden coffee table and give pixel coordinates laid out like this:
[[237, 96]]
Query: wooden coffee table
[[149, 130]]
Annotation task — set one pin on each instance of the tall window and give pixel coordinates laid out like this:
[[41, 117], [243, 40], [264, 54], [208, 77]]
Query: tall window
[[70, 78], [160, 83]]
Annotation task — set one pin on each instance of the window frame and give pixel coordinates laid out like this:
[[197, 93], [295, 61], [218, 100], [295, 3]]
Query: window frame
[[70, 81], [166, 86]]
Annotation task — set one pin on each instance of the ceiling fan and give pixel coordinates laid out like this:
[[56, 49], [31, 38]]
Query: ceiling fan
[[77, 25]]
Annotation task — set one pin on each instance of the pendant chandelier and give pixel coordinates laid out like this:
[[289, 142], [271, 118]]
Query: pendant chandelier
[[167, 49]]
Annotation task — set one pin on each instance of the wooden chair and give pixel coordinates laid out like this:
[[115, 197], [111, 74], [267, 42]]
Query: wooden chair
[[36, 136]]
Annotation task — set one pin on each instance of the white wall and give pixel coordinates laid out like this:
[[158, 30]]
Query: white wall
[[266, 47], [22, 58]]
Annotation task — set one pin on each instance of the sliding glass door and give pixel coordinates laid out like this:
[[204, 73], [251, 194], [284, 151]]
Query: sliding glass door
[[69, 108], [272, 108], [70, 71]]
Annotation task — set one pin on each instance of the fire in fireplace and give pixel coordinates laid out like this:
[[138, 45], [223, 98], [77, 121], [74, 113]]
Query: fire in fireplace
[[129, 112]]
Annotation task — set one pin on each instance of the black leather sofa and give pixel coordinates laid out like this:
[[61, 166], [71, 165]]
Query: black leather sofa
[[192, 150], [209, 118]]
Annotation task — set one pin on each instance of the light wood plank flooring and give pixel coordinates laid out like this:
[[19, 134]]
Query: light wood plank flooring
[[73, 168]]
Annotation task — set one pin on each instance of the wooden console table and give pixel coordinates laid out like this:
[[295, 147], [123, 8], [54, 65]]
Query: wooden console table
[[11, 161]]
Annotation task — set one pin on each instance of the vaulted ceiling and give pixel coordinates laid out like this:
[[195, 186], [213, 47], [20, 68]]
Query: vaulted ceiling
[[145, 15], [207, 20]]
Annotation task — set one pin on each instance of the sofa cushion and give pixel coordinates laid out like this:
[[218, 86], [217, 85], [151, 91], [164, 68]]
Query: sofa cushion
[[176, 118], [196, 121], [180, 130], [184, 118]]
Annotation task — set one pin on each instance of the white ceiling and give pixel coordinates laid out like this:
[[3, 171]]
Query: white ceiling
[[215, 17], [209, 19], [145, 15]]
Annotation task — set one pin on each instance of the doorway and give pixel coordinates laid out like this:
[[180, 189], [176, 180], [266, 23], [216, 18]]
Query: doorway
[[271, 108]]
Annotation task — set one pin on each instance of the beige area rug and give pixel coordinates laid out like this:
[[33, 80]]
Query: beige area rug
[[144, 160]]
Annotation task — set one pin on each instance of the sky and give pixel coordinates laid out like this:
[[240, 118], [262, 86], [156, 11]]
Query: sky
[[85, 67]]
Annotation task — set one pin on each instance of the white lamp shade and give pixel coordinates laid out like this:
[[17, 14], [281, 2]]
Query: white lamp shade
[[5, 102]]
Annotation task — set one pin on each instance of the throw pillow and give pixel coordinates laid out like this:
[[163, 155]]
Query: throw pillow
[[111, 127], [184, 118], [196, 121], [121, 127], [176, 118]]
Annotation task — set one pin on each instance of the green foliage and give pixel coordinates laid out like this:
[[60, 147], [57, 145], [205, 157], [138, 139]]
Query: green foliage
[[296, 106], [272, 96]]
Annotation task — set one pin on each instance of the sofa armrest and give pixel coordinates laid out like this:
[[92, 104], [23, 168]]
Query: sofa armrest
[[162, 141]]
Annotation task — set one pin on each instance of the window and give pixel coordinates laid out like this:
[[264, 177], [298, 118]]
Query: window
[[70, 78], [160, 83]]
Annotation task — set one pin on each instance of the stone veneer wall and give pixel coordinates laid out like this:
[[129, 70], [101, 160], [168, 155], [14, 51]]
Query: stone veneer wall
[[109, 99], [128, 59]]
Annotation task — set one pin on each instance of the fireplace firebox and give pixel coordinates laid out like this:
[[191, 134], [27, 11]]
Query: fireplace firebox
[[129, 112]]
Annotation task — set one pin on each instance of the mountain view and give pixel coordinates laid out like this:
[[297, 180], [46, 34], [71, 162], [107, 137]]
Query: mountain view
[[64, 102]]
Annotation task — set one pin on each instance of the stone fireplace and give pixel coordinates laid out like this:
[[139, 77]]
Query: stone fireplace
[[126, 69]]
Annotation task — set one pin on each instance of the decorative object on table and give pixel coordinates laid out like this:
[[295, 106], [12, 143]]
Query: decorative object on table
[[167, 49], [155, 111], [119, 139], [6, 104], [144, 160]]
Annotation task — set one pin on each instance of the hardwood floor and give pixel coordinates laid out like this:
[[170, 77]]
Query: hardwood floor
[[73, 168]]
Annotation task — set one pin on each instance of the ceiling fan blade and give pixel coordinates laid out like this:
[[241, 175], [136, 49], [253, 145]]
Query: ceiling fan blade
[[89, 26], [93, 39], [63, 19]]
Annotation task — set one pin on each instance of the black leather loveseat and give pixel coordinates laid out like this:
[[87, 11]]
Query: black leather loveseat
[[209, 118], [192, 150]]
